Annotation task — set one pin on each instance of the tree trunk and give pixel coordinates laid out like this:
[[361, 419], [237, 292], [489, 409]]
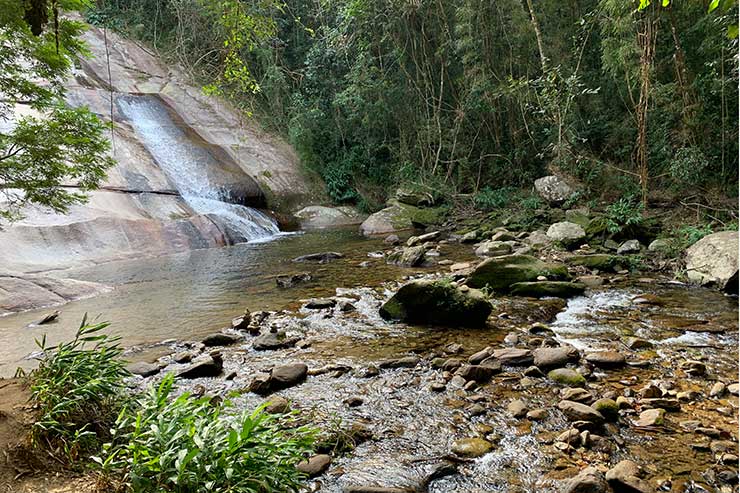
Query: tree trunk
[[646, 41]]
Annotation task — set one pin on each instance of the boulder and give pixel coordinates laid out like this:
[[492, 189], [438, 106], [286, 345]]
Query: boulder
[[319, 217], [220, 339], [606, 359], [542, 289], [575, 411], [579, 216], [499, 273], [513, 356], [589, 480], [629, 246], [599, 261], [471, 447], [566, 233], [398, 217], [437, 303], [608, 408], [538, 239], [143, 369], [566, 376], [414, 197], [321, 258], [281, 377], [408, 257], [624, 477], [661, 245], [479, 373], [315, 465], [713, 261], [210, 365], [421, 239], [554, 357], [273, 340], [553, 189], [493, 248]]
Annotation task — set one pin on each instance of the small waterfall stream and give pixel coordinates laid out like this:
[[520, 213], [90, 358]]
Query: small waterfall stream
[[186, 164]]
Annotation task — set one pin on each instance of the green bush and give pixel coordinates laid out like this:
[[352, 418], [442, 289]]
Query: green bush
[[77, 390], [190, 445], [623, 213], [489, 199]]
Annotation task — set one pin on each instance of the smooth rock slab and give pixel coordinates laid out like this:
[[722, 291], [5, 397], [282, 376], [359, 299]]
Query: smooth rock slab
[[606, 359], [514, 356], [315, 466], [556, 357]]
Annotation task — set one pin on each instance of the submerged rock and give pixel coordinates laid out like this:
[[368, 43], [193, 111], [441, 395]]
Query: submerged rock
[[437, 303], [499, 273], [471, 447], [713, 261], [541, 289], [291, 280], [322, 257]]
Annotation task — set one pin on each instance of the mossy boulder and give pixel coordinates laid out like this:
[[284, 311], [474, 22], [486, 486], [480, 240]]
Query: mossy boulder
[[608, 408], [437, 303], [567, 377], [400, 217], [600, 261], [542, 289], [500, 273]]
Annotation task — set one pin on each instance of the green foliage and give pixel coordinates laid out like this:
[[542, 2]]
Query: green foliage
[[489, 199], [688, 168], [688, 235], [77, 389], [191, 445], [625, 212], [53, 146]]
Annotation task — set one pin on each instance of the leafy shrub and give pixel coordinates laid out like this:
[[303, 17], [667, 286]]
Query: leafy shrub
[[688, 167], [192, 445], [688, 235], [533, 202], [623, 213], [489, 199], [77, 390]]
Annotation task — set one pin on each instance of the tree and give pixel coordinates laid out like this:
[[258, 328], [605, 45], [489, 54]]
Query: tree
[[50, 155]]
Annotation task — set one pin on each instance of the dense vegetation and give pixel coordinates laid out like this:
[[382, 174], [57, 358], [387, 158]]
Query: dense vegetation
[[462, 95]]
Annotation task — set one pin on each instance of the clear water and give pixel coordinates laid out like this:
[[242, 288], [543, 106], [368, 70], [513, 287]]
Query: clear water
[[186, 164]]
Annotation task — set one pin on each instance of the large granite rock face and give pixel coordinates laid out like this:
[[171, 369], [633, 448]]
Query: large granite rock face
[[437, 303], [19, 292], [713, 261], [319, 217]]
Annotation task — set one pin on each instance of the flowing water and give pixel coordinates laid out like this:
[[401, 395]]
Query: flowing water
[[187, 165]]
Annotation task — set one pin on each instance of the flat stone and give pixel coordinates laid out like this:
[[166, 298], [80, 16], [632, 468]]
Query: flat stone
[[143, 369], [315, 466], [220, 339], [575, 411], [651, 417], [514, 356], [606, 359], [556, 357], [210, 365]]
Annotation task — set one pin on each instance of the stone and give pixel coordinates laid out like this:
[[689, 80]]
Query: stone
[[277, 405], [624, 477], [471, 448], [320, 258], [398, 217], [575, 411], [470, 237], [734, 388], [320, 304], [392, 240], [220, 339], [517, 408], [694, 368], [499, 273], [600, 261], [566, 233], [717, 390], [414, 197], [589, 480], [566, 376], [272, 340], [210, 365], [286, 282], [661, 245], [478, 357], [513, 356], [281, 377], [315, 465], [628, 247], [637, 343], [437, 303], [479, 373], [713, 261], [576, 394], [143, 369], [606, 359], [591, 281], [537, 414], [493, 249], [669, 404], [542, 289], [421, 239], [242, 322], [407, 257], [321, 217], [459, 266], [538, 239], [354, 401], [651, 417], [608, 408], [553, 189], [555, 357], [405, 362], [183, 357]]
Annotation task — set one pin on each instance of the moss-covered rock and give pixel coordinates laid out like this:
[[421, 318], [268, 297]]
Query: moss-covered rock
[[437, 303], [400, 217], [500, 273], [608, 408], [541, 289], [471, 447], [600, 261], [566, 376]]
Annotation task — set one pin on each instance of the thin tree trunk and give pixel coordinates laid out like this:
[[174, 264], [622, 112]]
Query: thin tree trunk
[[646, 41], [538, 35]]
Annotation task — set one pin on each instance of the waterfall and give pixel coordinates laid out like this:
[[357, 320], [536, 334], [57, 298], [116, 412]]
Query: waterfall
[[186, 164]]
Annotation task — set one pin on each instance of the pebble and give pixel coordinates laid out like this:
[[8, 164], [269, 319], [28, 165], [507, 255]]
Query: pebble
[[517, 408]]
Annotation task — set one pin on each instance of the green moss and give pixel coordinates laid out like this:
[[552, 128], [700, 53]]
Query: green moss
[[499, 273], [608, 408], [602, 262], [567, 377], [541, 289]]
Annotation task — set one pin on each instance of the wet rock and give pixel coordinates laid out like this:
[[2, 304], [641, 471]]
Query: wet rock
[[470, 237], [591, 281], [541, 289], [694, 368], [556, 357], [321, 258], [437, 303], [575, 411], [493, 249], [273, 340], [517, 408], [471, 447], [717, 390], [533, 371], [566, 233], [183, 357], [320, 304], [479, 373], [405, 362], [537, 414], [421, 239], [220, 339], [553, 189], [315, 465], [437, 387], [514, 356], [143, 369], [600, 262], [478, 357], [281, 377], [661, 402], [460, 266], [566, 376], [713, 261], [290, 281], [624, 477], [277, 405], [733, 388], [320, 217], [408, 257], [354, 401], [648, 299], [398, 217], [210, 365], [414, 197], [392, 240], [499, 273], [628, 247], [606, 359], [451, 364], [635, 343], [589, 480], [48, 318], [651, 417], [608, 408], [576, 394], [377, 489], [242, 322]]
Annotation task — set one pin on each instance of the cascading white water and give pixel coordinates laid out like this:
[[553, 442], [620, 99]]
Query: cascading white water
[[186, 165]]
